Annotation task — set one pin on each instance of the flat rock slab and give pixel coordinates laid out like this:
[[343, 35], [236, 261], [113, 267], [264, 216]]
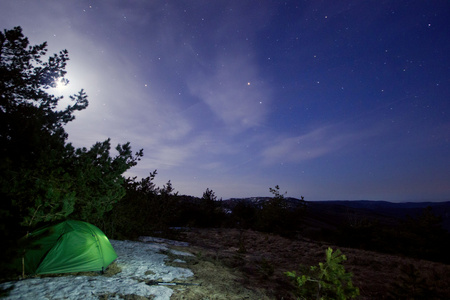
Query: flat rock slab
[[140, 262]]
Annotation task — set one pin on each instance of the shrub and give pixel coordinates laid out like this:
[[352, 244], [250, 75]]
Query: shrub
[[328, 280]]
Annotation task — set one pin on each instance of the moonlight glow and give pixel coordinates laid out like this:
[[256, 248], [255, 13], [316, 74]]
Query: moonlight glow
[[332, 100], [61, 84]]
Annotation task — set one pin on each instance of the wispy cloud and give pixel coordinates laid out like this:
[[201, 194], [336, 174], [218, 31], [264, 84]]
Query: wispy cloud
[[224, 72], [316, 143], [233, 92]]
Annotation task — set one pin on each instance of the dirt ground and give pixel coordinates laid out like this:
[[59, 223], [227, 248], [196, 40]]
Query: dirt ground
[[235, 264]]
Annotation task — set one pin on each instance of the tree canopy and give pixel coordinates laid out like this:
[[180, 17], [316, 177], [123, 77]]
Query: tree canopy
[[43, 178]]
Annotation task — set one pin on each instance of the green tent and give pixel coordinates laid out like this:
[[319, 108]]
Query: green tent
[[70, 246]]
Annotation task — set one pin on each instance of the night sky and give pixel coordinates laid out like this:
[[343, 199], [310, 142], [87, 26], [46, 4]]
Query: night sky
[[332, 100]]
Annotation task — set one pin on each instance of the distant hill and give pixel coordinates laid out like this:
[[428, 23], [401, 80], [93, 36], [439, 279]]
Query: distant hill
[[332, 213], [405, 229], [387, 210]]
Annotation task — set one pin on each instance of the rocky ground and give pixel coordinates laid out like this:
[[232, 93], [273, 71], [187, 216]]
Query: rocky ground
[[235, 264]]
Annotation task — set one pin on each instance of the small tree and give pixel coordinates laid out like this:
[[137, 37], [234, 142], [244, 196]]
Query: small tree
[[276, 193], [145, 209], [166, 203], [272, 216], [133, 215], [209, 202], [328, 280], [96, 168], [208, 211]]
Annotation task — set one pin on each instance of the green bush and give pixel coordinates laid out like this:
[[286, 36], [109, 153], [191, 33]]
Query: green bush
[[328, 280]]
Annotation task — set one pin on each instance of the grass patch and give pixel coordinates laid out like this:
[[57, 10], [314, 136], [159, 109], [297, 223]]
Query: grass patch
[[149, 272], [262, 268], [215, 279], [112, 270]]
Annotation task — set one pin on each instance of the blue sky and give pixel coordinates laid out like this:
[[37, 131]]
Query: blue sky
[[328, 99]]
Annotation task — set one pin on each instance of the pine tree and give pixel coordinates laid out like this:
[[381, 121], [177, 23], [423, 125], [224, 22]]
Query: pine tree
[[42, 177], [32, 136]]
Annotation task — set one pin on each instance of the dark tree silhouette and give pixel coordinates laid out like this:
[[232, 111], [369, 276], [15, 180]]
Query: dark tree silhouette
[[42, 177]]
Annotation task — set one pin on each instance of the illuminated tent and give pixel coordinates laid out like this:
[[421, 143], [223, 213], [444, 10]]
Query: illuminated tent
[[70, 246]]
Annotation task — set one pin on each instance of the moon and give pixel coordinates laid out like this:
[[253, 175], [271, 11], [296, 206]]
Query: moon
[[61, 84]]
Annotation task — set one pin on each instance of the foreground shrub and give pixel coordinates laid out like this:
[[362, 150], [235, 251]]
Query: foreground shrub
[[329, 280]]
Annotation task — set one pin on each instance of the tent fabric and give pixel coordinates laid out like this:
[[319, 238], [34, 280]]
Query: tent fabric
[[70, 246]]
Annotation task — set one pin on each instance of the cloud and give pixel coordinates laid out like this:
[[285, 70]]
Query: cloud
[[223, 71], [233, 92], [314, 144]]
